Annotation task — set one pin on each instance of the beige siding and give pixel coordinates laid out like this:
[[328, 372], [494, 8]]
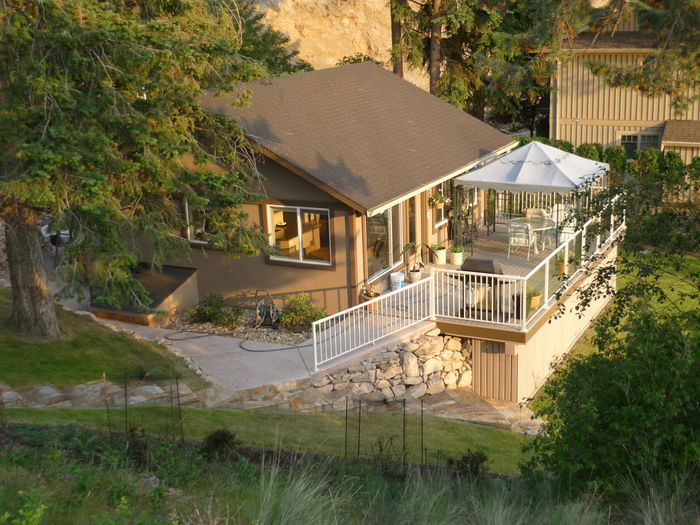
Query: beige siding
[[495, 370], [552, 341], [585, 109], [687, 153]]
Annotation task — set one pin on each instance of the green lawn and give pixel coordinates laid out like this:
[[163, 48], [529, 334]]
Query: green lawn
[[84, 353], [318, 433]]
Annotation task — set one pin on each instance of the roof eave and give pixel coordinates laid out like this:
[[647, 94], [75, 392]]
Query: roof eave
[[386, 205]]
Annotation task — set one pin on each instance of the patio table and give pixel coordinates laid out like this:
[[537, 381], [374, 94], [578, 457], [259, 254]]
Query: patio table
[[537, 224]]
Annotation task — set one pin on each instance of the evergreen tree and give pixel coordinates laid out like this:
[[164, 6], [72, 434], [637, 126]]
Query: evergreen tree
[[99, 105]]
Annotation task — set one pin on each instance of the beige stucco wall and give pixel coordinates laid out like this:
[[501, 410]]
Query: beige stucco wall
[[584, 109], [553, 340], [186, 295], [237, 279]]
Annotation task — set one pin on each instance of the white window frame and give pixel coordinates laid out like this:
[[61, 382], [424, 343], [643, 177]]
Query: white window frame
[[638, 136], [300, 259], [439, 224], [188, 219], [390, 227]]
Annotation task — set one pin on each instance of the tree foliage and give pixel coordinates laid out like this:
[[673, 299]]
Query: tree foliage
[[100, 104], [673, 68], [630, 409]]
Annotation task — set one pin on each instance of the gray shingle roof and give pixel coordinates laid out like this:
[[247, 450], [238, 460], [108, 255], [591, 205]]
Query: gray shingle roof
[[681, 132], [361, 131]]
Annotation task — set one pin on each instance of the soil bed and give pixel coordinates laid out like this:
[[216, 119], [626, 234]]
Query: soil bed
[[244, 329]]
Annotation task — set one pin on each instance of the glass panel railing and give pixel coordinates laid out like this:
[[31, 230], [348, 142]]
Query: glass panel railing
[[591, 240], [557, 269], [536, 292], [575, 249]]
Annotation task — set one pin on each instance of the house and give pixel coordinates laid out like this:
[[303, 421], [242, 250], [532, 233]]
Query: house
[[584, 109], [353, 159], [350, 157]]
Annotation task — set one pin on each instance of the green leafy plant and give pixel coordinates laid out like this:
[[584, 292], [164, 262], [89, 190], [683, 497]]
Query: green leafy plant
[[458, 248], [300, 313], [438, 246], [471, 465], [369, 291], [410, 255], [220, 445], [213, 310], [628, 409]]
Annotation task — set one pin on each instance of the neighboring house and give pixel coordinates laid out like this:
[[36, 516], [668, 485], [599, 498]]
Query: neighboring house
[[350, 156], [584, 109]]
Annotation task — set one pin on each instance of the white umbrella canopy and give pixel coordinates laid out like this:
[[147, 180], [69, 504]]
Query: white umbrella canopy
[[535, 167]]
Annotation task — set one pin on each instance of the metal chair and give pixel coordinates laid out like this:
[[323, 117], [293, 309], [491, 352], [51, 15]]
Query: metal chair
[[520, 234]]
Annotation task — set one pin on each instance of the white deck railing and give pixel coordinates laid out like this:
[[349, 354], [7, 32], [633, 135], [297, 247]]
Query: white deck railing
[[507, 301], [368, 322]]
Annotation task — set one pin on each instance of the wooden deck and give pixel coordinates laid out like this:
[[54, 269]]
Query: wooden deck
[[495, 246]]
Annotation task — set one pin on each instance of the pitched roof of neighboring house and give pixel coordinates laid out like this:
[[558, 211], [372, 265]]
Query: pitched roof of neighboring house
[[681, 132], [361, 133], [620, 41]]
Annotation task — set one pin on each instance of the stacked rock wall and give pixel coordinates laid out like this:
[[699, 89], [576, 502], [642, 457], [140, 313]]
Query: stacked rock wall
[[428, 365]]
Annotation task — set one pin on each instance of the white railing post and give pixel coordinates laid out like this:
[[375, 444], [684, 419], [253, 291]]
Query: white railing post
[[566, 257], [314, 327], [584, 255], [523, 300], [432, 290], [546, 281]]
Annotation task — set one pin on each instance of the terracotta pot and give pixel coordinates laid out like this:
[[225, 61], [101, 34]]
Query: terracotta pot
[[457, 258], [535, 302], [414, 277], [371, 306], [561, 267]]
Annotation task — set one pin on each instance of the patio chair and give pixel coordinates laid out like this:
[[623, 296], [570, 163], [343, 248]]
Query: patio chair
[[520, 234], [536, 212]]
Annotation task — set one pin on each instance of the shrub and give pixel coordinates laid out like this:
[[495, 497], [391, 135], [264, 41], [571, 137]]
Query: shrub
[[300, 313], [629, 408], [590, 151], [213, 310], [220, 445], [471, 465]]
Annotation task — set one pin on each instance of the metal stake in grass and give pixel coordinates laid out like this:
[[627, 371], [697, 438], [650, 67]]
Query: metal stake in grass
[[179, 410], [403, 453], [126, 410], [346, 426], [359, 424], [105, 393], [422, 449]]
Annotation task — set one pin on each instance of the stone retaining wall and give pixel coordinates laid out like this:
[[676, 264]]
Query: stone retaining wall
[[429, 365]]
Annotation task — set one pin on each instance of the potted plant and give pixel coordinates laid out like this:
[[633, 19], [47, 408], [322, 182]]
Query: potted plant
[[411, 262], [438, 198], [368, 293], [534, 299], [560, 264], [457, 254], [440, 253]]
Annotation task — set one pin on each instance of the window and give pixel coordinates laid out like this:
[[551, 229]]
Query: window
[[300, 234], [440, 202], [384, 238], [198, 225], [632, 143]]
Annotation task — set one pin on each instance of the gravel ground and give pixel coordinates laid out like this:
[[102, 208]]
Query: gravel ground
[[245, 329]]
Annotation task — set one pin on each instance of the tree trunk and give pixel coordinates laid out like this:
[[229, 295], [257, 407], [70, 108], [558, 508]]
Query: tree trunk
[[396, 54], [33, 311], [435, 36]]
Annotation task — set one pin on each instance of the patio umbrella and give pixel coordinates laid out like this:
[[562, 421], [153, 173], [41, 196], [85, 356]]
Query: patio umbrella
[[535, 167]]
